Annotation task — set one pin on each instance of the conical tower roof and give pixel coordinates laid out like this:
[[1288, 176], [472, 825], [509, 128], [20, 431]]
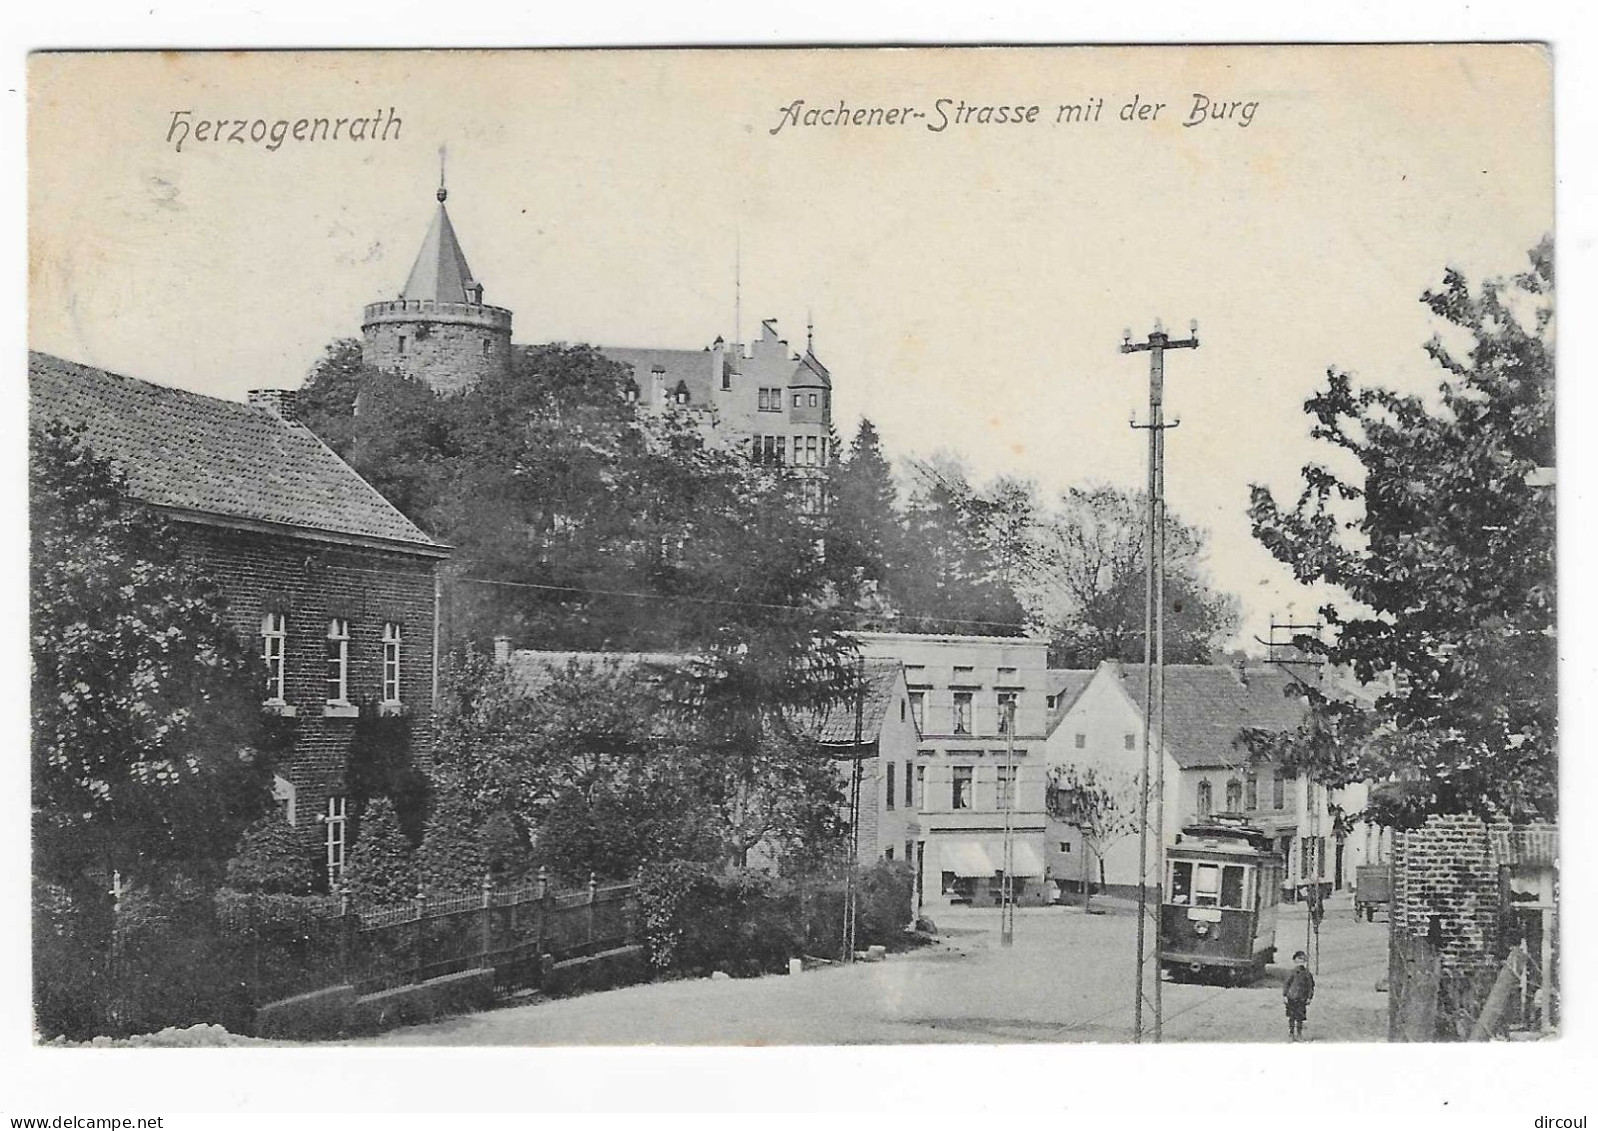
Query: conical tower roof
[[441, 273]]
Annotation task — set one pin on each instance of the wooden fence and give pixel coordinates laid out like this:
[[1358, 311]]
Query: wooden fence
[[514, 929]]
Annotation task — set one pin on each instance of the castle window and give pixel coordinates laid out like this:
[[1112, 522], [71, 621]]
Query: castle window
[[485, 347], [274, 635], [391, 663], [402, 343], [338, 660]]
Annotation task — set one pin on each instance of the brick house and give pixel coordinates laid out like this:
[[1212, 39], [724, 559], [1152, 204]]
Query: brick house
[[338, 587], [1466, 894]]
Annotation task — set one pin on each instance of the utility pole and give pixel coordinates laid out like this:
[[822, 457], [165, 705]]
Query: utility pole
[[1007, 884], [1153, 665]]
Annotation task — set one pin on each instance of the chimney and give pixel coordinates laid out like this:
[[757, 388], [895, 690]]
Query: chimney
[[279, 402], [502, 649]]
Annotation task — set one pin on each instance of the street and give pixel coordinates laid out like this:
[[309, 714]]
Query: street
[[1068, 977]]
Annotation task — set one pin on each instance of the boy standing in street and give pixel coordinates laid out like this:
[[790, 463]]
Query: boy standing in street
[[1297, 993]]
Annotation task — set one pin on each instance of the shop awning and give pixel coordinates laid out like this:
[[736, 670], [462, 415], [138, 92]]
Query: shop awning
[[966, 858], [1026, 860]]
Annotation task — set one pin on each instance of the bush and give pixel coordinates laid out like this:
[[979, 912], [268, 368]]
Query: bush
[[381, 868], [699, 919], [271, 859], [884, 892]]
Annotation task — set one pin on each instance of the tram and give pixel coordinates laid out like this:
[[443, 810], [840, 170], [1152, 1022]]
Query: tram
[[1223, 882]]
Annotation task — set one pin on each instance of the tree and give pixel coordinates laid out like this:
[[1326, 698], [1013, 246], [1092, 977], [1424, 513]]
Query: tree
[[382, 868], [865, 532], [271, 860], [1441, 535], [1085, 582], [149, 748], [326, 400], [969, 551], [1098, 805]]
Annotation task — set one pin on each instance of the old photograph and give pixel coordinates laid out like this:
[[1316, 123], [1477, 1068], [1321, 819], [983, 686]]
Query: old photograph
[[793, 547]]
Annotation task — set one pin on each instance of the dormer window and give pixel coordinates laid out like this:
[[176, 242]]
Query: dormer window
[[631, 394], [680, 395]]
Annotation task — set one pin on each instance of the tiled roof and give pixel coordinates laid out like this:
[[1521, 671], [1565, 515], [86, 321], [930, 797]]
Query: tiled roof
[[197, 453], [440, 273], [692, 368], [882, 679], [1207, 705], [1065, 684], [535, 670]]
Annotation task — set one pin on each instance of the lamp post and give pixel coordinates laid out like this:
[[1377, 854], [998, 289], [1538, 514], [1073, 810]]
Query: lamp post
[[1153, 659]]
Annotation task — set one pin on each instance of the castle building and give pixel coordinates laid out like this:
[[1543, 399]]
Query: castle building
[[765, 398]]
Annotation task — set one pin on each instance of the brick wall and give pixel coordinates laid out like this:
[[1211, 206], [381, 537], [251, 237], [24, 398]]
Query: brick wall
[[1446, 890], [310, 583]]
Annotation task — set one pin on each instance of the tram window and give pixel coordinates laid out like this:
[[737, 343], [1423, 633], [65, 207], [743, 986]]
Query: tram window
[[1232, 886], [1181, 881], [1207, 885]]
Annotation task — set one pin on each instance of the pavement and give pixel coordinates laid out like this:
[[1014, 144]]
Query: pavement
[[1067, 978]]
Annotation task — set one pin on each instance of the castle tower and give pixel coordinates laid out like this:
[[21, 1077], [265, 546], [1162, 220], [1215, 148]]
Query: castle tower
[[439, 328]]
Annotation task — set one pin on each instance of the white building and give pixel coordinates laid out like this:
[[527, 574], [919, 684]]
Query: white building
[[1207, 769], [972, 774]]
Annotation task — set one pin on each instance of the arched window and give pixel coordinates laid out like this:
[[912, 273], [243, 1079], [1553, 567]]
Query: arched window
[[1206, 799], [1234, 796]]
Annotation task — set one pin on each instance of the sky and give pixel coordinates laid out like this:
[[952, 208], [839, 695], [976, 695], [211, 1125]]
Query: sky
[[969, 286]]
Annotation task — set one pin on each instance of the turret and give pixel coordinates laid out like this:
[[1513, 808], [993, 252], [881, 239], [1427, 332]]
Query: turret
[[439, 329]]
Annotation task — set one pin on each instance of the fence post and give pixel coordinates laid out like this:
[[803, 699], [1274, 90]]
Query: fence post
[[417, 910], [544, 906], [593, 887], [488, 892], [344, 933]]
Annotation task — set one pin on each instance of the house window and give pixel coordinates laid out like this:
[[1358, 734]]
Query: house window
[[964, 673], [1007, 675], [1129, 741], [274, 635], [1006, 703], [887, 853], [1052, 701], [901, 710], [1065, 847], [1279, 791], [1081, 741], [796, 400], [1234, 796], [812, 451], [1004, 790], [770, 400], [909, 794], [962, 712], [918, 707], [763, 403], [921, 785], [334, 838], [892, 785], [391, 663], [1205, 798], [812, 400], [1251, 789], [338, 660], [960, 795]]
